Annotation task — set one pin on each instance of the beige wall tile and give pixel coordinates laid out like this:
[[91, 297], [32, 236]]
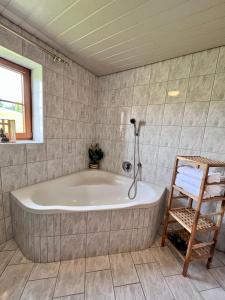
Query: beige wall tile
[[141, 95], [13, 177], [37, 172], [72, 246], [97, 244], [216, 114], [12, 155], [177, 91], [191, 138], [154, 114], [122, 219], [36, 152], [120, 241], [160, 71], [213, 140], [170, 118], [98, 221], [180, 67], [72, 223], [200, 88], [195, 113], [221, 61], [157, 93], [170, 136], [142, 75], [218, 92], [204, 62]]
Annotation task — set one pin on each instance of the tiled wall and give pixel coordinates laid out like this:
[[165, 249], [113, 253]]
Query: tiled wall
[[193, 122], [69, 117]]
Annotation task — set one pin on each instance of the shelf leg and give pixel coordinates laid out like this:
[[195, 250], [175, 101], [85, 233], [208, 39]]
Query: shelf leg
[[185, 268], [170, 198], [165, 230]]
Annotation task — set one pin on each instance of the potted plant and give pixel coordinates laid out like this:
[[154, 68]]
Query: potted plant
[[95, 155]]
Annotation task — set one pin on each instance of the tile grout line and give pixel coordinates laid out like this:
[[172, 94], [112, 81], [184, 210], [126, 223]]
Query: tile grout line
[[138, 278], [26, 281]]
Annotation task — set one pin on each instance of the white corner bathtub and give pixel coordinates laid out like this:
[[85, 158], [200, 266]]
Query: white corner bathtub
[[84, 214]]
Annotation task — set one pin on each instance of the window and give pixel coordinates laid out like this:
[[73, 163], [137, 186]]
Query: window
[[15, 97]]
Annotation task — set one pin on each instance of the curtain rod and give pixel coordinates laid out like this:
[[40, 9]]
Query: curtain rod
[[52, 54]]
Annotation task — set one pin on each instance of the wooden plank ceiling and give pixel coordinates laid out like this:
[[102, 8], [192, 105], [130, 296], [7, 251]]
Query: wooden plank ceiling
[[108, 36]]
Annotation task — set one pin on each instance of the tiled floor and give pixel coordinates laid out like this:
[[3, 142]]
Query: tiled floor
[[154, 273]]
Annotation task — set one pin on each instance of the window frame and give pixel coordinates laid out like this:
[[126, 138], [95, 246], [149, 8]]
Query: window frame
[[27, 104]]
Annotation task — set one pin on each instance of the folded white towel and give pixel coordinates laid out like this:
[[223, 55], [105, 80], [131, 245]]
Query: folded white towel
[[210, 191], [198, 173], [194, 181]]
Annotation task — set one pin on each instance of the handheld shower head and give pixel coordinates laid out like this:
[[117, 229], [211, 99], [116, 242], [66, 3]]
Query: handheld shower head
[[133, 121]]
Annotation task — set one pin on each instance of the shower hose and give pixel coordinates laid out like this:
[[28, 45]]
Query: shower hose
[[135, 173]]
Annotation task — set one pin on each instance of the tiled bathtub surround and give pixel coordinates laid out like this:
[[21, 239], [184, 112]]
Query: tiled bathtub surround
[[182, 101], [64, 236], [69, 95]]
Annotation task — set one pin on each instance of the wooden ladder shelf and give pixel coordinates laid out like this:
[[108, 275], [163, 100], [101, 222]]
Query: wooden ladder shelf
[[190, 220]]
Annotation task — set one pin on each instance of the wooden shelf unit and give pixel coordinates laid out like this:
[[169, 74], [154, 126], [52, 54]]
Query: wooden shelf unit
[[191, 219]]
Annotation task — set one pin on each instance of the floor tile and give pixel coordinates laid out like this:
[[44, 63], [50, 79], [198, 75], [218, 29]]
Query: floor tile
[[220, 256], [70, 278], [142, 257], [216, 262], [19, 258], [44, 270], [98, 285], [182, 288], [39, 289], [97, 263], [9, 246], [214, 294], [157, 242], [129, 292], [201, 277], [13, 281], [123, 269], [168, 263], [219, 275], [5, 258], [71, 297], [153, 282]]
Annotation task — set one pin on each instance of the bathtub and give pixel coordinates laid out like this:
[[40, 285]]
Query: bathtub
[[84, 214]]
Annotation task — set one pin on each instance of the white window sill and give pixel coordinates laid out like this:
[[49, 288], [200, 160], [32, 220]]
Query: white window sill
[[23, 142]]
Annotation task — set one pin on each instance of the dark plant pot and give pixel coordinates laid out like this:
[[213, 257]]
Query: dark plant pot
[[93, 166]]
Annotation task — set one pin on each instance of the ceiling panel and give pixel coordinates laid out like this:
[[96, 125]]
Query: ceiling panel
[[107, 36]]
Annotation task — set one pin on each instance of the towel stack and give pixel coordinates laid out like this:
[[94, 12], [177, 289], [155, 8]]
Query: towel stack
[[189, 179]]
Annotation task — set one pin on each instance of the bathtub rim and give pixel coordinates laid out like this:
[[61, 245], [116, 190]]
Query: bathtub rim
[[54, 209]]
